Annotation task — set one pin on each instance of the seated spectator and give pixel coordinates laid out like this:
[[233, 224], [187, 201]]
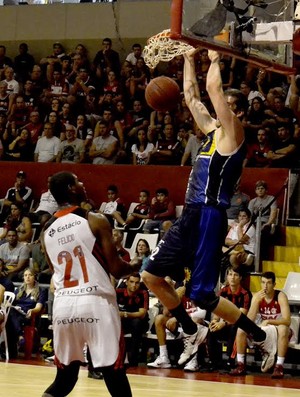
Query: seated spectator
[[269, 308], [106, 59], [278, 113], [192, 147], [261, 204], [47, 147], [142, 251], [58, 127], [250, 92], [242, 237], [220, 330], [136, 53], [238, 201], [139, 80], [112, 86], [5, 285], [71, 149], [4, 60], [257, 153], [35, 126], [30, 96], [19, 221], [40, 264], [142, 150], [19, 193], [19, 114], [140, 120], [29, 302], [82, 86], [21, 148], [46, 207], [13, 87], [140, 211], [162, 212], [254, 119], [184, 114], [185, 131], [58, 86], [6, 101], [114, 209], [168, 150], [118, 236], [133, 307], [14, 256], [84, 132], [283, 153], [104, 147]]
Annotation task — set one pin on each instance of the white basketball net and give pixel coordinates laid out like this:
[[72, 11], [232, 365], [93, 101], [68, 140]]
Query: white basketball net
[[162, 48]]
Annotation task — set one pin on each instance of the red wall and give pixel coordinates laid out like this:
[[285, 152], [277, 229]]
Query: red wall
[[129, 179]]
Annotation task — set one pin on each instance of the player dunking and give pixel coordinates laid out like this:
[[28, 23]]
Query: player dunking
[[197, 237], [80, 250]]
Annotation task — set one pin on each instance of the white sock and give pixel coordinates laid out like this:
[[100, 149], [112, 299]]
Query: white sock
[[240, 358], [163, 352], [280, 360]]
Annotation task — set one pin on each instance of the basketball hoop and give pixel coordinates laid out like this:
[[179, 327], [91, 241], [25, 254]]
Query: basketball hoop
[[162, 48]]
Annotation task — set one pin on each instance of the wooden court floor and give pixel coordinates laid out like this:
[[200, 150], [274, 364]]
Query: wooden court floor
[[19, 380]]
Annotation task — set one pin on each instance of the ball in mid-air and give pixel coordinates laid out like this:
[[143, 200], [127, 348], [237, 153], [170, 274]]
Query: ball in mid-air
[[162, 93]]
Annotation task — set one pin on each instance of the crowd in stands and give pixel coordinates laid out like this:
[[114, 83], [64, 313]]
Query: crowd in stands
[[77, 107]]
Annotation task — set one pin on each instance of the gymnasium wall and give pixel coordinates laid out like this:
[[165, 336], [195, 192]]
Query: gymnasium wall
[[129, 179]]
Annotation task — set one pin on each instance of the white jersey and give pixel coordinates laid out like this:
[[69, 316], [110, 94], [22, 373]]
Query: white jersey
[[85, 310]]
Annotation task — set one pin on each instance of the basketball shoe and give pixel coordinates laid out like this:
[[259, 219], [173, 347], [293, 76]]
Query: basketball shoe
[[160, 362], [268, 347], [191, 344]]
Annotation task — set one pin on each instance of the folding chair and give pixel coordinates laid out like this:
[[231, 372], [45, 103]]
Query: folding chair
[[8, 299]]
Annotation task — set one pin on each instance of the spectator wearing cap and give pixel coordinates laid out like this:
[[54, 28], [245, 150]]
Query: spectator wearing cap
[[19, 193], [264, 204]]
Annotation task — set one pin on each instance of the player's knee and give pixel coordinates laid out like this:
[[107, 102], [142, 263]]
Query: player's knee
[[209, 301]]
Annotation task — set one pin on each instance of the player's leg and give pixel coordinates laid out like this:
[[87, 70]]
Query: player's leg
[[65, 380], [116, 381]]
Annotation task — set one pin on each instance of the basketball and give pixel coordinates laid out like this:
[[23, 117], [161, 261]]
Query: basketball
[[162, 93]]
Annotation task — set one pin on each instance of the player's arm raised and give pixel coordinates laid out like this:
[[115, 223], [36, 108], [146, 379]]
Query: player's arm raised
[[231, 133], [102, 231], [192, 95]]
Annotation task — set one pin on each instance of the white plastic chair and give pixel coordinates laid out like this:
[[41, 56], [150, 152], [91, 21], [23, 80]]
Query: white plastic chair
[[179, 209], [130, 210], [292, 288], [8, 299]]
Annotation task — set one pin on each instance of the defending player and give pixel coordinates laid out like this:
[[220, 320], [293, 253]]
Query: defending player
[[196, 238], [80, 250]]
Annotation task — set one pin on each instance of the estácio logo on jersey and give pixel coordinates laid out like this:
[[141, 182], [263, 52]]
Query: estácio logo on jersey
[[68, 226]]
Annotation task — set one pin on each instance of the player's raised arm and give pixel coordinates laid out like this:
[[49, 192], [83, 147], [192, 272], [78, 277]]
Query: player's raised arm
[[192, 95], [228, 107]]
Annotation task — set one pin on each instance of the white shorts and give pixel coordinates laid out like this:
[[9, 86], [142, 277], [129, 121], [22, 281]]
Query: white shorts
[[88, 320]]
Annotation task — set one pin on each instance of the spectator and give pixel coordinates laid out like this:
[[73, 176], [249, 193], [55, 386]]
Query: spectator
[[19, 193], [284, 149], [135, 54], [111, 86], [106, 59], [242, 236], [142, 150], [249, 92], [58, 127], [55, 57], [104, 147], [19, 221], [47, 147], [220, 330], [118, 236], [19, 115], [114, 209], [14, 255], [6, 101], [139, 80], [238, 201], [4, 60], [255, 119], [270, 308], [46, 207], [192, 147], [133, 306], [35, 126], [167, 150], [140, 211], [13, 86], [267, 207], [5, 285], [82, 86], [21, 148], [142, 251], [23, 63], [162, 212], [257, 153], [29, 302], [72, 149]]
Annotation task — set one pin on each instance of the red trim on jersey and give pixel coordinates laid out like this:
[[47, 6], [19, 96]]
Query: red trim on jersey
[[65, 211]]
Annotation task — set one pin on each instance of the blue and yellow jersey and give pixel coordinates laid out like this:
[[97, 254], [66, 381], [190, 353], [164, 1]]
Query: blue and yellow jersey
[[214, 175]]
